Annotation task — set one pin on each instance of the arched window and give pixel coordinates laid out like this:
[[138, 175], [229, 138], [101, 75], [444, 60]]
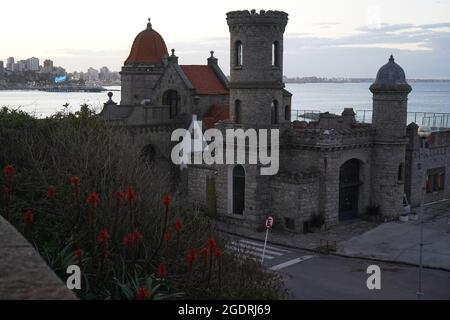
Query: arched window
[[171, 99], [274, 112], [239, 54], [276, 54], [148, 153], [287, 113], [237, 112], [401, 170], [238, 190]]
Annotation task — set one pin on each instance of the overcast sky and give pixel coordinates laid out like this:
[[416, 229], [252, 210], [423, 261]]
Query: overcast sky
[[347, 38]]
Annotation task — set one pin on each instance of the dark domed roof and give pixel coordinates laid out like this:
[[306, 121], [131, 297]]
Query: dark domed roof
[[391, 77], [148, 48]]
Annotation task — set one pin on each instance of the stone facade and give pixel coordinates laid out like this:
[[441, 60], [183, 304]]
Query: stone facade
[[427, 162], [332, 168]]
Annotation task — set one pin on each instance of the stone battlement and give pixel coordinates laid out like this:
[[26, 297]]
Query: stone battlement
[[332, 138], [253, 17]]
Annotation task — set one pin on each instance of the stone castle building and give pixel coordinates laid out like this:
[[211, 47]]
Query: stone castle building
[[332, 167]]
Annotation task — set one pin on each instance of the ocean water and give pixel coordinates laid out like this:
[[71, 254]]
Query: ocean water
[[332, 97], [42, 104]]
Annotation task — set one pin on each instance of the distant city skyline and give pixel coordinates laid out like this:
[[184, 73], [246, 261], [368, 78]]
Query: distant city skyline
[[324, 38]]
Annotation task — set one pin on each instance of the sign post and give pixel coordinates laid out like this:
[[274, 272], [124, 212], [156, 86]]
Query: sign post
[[269, 225]]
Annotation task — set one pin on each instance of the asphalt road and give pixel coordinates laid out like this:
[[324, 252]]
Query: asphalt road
[[316, 276]]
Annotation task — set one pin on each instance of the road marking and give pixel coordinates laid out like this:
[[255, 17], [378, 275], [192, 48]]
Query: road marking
[[247, 252], [260, 244], [253, 248], [290, 263]]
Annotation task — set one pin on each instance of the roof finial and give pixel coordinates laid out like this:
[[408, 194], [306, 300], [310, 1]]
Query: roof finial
[[212, 54], [173, 52], [149, 24], [391, 59]]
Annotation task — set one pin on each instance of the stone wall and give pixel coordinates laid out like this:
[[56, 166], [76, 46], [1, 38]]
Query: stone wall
[[138, 82], [435, 154], [297, 200], [24, 275]]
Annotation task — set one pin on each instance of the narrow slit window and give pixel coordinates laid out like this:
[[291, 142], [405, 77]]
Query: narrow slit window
[[287, 113], [275, 54], [274, 112], [239, 53]]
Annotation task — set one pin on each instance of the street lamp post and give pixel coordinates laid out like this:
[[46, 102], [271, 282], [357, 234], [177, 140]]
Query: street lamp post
[[424, 133]]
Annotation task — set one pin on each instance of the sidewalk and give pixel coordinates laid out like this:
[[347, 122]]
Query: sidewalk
[[308, 241], [399, 242], [390, 242]]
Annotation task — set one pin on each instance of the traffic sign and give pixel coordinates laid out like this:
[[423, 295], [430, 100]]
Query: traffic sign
[[269, 222]]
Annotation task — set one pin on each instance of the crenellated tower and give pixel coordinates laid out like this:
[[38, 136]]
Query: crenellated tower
[[256, 66]]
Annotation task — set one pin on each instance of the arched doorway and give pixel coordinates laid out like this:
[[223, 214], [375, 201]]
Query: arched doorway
[[171, 99], [238, 190], [349, 184]]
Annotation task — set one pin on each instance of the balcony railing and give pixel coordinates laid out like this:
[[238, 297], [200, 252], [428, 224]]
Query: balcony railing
[[435, 120]]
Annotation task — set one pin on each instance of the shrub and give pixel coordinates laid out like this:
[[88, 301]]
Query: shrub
[[95, 202]]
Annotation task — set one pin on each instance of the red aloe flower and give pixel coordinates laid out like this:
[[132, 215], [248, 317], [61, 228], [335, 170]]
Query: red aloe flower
[[218, 253], [93, 199], [119, 197], [212, 244], [126, 241], [162, 270], [166, 200], [103, 237], [130, 195], [78, 253], [75, 181], [9, 171], [28, 217], [178, 225], [51, 191], [130, 239], [7, 191], [204, 252], [136, 236], [142, 293], [166, 236], [192, 256]]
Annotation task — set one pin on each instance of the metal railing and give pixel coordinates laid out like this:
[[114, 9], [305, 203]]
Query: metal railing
[[434, 120]]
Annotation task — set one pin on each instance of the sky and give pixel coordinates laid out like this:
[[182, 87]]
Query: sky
[[325, 38]]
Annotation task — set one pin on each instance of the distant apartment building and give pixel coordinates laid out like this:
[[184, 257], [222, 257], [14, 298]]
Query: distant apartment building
[[92, 75], [20, 66], [10, 64], [60, 71], [32, 64], [106, 75], [48, 66]]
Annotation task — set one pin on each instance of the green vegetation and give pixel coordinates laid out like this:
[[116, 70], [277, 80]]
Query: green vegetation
[[82, 194]]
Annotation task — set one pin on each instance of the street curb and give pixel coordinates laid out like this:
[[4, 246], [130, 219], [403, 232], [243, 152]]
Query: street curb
[[334, 253]]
